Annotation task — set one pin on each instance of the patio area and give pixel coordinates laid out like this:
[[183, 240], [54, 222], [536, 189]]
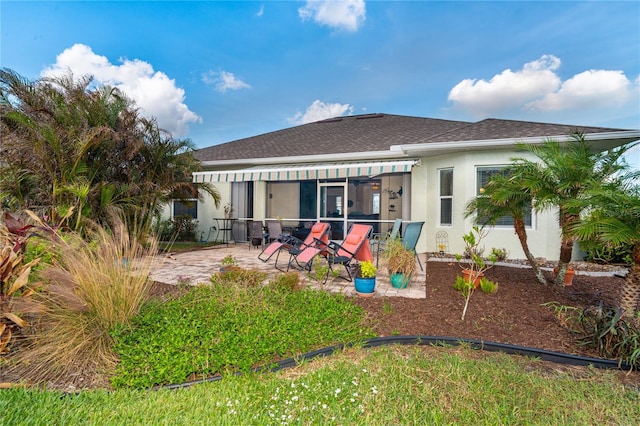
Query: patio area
[[197, 266]]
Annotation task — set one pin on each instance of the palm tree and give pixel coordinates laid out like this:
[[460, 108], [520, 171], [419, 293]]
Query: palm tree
[[75, 146], [564, 172], [504, 196], [614, 220]]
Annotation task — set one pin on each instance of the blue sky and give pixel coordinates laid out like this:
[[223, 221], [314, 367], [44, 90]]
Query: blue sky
[[219, 71]]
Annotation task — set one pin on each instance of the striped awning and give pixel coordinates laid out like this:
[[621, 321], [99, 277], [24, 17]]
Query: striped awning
[[284, 172]]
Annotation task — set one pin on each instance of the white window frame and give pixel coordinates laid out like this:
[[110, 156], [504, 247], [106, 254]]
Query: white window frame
[[496, 167], [444, 197]]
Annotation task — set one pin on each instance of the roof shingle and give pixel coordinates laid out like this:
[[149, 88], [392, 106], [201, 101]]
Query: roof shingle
[[377, 132]]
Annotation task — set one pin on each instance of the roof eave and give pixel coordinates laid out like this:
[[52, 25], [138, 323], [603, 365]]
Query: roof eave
[[598, 141]]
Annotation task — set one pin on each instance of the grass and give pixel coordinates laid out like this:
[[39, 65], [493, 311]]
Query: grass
[[233, 324], [389, 385]]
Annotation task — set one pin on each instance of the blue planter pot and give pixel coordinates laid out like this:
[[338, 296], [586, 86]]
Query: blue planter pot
[[400, 280], [365, 285]]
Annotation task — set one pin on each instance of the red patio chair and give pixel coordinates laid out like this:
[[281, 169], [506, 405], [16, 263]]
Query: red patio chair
[[304, 252], [355, 246], [279, 241]]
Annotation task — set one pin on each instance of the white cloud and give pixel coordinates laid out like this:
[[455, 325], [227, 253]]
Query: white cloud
[[320, 111], [508, 89], [538, 88], [224, 81], [594, 88], [342, 14], [153, 91], [260, 11]]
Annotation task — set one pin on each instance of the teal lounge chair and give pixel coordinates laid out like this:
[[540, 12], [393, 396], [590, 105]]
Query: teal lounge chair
[[410, 238]]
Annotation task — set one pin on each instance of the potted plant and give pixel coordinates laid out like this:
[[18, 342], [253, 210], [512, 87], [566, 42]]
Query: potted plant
[[474, 267], [228, 210], [568, 276], [401, 263], [365, 278]]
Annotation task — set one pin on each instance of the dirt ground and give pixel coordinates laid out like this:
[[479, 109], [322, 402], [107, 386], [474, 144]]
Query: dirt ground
[[514, 314]]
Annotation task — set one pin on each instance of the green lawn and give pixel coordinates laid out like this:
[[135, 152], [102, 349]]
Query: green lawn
[[381, 386]]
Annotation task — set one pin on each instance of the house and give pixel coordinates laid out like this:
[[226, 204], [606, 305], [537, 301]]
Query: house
[[375, 168]]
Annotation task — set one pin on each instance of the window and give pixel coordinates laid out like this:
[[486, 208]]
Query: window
[[185, 208], [484, 174], [446, 196]]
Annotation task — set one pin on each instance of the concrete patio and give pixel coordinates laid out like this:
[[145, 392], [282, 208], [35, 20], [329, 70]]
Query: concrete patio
[[197, 266]]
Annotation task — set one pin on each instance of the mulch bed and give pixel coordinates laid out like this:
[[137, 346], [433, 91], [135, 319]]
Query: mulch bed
[[514, 314]]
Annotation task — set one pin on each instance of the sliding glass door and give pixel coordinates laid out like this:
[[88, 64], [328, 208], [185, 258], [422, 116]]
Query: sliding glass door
[[332, 207]]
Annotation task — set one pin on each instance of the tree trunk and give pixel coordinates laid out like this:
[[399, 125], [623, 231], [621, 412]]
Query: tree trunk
[[518, 225], [566, 249], [630, 292], [566, 245]]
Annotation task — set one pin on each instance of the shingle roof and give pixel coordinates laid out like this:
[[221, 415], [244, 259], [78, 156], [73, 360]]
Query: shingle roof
[[377, 132], [359, 133], [492, 128]]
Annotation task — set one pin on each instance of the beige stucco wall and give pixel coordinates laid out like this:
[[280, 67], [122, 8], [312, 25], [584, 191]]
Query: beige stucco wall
[[543, 237]]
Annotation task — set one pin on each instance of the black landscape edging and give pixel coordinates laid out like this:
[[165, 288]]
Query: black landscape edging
[[557, 357]]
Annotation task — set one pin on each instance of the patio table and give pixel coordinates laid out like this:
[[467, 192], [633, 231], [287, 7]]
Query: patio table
[[225, 226]]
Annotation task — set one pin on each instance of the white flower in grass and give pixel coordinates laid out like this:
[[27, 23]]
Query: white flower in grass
[[374, 390], [338, 391]]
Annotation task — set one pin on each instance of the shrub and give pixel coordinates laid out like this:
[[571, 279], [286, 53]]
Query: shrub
[[601, 253], [474, 269], [319, 269], [234, 275], [43, 249], [500, 254], [608, 332], [101, 285], [488, 286], [289, 281], [180, 228], [15, 273]]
